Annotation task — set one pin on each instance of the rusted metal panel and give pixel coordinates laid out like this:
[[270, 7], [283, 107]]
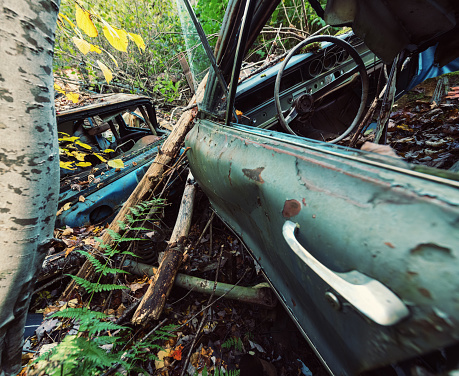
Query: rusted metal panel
[[374, 215]]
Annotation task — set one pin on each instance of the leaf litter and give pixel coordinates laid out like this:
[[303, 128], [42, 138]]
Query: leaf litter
[[229, 334]]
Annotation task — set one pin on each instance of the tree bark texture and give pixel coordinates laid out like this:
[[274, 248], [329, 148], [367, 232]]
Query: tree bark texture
[[29, 162], [146, 186], [161, 283]]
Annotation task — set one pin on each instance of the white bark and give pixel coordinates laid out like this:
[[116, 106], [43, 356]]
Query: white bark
[[29, 169]]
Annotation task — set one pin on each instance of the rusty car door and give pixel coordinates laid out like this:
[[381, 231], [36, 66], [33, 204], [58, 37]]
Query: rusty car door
[[326, 222]]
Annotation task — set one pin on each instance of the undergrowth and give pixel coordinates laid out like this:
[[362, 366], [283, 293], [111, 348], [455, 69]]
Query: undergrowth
[[98, 343]]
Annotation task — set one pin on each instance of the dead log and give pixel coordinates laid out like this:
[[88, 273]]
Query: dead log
[[161, 283], [260, 294], [147, 186]]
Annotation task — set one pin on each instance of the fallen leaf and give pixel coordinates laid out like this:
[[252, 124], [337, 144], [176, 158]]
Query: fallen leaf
[[74, 97], [68, 250], [177, 352], [83, 145], [81, 198], [67, 165], [116, 163], [68, 231], [161, 355]]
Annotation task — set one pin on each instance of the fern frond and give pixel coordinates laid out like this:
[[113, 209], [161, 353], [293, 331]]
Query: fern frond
[[130, 240], [98, 266], [91, 287], [121, 225], [114, 235], [95, 327], [129, 253], [139, 229], [134, 211], [80, 313], [233, 342]]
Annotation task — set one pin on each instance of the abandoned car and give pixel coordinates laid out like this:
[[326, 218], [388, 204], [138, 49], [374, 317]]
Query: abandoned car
[[105, 149], [360, 248]]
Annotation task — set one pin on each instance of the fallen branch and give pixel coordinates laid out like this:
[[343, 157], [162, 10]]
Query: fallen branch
[[260, 294], [148, 185], [161, 283]]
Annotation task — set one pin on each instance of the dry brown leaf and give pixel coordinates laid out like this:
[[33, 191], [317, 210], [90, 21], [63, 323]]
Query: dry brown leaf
[[68, 231], [68, 250]]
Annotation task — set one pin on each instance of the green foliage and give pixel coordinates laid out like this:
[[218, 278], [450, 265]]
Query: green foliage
[[233, 342], [210, 14], [135, 71], [217, 372], [92, 350]]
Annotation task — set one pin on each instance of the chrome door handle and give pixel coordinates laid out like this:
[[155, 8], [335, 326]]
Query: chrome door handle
[[367, 295]]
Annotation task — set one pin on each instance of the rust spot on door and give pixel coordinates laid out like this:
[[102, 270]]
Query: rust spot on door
[[254, 174], [425, 292], [291, 208]]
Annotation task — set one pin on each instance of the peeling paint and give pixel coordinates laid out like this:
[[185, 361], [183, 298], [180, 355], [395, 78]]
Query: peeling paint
[[432, 252], [254, 174]]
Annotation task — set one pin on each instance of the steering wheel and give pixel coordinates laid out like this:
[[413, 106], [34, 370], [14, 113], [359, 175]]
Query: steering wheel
[[305, 103]]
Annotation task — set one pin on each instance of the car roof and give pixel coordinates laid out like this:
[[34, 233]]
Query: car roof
[[102, 104]]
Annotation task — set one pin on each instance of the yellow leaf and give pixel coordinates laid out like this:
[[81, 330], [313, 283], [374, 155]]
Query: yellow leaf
[[108, 151], [83, 19], [137, 40], [116, 37], [74, 97], [67, 206], [78, 155], [67, 165], [106, 71], [116, 163], [58, 89], [95, 48], [81, 198], [82, 45], [65, 134], [83, 164], [86, 146], [67, 138], [62, 15], [100, 157]]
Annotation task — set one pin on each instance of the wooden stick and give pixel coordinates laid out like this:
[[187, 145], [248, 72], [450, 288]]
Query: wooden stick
[[148, 184], [161, 283], [260, 294]]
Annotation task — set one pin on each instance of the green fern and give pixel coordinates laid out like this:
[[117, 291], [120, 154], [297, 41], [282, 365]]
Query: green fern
[[83, 354], [217, 372], [233, 342], [95, 287]]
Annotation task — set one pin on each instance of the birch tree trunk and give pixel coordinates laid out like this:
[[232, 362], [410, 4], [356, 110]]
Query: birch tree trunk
[[29, 169]]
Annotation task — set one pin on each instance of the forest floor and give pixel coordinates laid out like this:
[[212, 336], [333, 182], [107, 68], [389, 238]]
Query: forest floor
[[221, 333]]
